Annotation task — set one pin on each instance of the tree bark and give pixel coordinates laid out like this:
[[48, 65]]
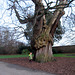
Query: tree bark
[[40, 41], [44, 54], [43, 34]]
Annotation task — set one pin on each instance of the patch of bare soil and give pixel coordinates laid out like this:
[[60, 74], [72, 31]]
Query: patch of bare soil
[[62, 65]]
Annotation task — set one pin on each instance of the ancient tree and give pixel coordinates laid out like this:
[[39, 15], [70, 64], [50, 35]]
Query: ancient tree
[[43, 29]]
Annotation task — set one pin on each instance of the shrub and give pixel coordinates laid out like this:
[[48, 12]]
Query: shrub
[[20, 49], [54, 51], [2, 51], [25, 51]]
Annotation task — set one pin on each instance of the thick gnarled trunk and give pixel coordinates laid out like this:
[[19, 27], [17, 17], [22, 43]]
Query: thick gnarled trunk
[[44, 54], [43, 34], [42, 39]]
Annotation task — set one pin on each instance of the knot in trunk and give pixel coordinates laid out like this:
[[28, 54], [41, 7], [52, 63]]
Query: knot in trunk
[[43, 38]]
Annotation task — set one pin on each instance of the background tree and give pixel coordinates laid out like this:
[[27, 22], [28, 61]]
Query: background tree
[[43, 32], [8, 42]]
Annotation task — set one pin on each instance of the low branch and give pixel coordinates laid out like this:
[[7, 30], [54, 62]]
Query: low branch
[[20, 20]]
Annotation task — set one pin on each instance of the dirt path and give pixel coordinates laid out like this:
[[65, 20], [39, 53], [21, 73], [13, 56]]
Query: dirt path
[[62, 65], [11, 69]]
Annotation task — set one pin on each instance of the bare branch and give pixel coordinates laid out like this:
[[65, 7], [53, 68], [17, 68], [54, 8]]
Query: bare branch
[[20, 20]]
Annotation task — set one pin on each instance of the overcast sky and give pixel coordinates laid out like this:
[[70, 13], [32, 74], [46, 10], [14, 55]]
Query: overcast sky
[[6, 20]]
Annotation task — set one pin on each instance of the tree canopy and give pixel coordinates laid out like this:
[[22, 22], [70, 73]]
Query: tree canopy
[[25, 15], [26, 8]]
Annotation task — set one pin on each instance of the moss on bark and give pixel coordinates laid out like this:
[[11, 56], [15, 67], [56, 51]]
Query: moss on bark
[[42, 58]]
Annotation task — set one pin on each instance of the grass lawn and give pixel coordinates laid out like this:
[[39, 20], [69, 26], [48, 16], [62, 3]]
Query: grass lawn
[[64, 55], [55, 55], [12, 56]]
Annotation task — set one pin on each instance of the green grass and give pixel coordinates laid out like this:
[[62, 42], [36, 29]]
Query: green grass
[[16, 56], [12, 56], [63, 55]]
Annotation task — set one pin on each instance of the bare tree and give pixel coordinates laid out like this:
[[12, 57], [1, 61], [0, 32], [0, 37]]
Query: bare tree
[[8, 43], [43, 32]]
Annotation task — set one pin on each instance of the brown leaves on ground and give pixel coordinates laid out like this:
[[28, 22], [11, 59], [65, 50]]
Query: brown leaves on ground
[[62, 65]]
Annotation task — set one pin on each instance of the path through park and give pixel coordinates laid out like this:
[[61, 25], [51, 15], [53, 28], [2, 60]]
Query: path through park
[[11, 69], [60, 66]]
